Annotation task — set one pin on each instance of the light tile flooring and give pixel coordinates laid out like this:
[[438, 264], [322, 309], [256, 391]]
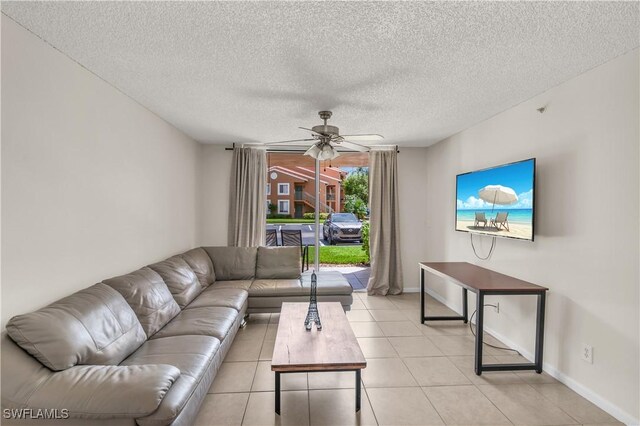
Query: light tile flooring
[[415, 375]]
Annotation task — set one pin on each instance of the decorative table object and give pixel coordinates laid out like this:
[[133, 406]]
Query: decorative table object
[[312, 314]]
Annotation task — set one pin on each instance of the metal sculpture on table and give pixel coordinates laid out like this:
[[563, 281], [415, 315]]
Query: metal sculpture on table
[[312, 315]]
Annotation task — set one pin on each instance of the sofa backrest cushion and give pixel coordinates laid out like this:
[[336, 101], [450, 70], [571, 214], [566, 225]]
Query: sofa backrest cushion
[[92, 326], [278, 262], [200, 262], [180, 278], [233, 263], [149, 297]]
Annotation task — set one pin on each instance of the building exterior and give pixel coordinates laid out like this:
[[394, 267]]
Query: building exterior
[[292, 190]]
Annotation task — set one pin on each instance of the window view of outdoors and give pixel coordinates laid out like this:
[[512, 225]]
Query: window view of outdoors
[[343, 205]]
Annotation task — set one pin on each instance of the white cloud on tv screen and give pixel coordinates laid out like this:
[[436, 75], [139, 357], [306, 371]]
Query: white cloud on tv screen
[[525, 201]]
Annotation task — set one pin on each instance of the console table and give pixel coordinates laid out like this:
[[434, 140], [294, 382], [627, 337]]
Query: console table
[[485, 282]]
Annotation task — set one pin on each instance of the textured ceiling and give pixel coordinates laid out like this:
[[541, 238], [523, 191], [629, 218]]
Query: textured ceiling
[[253, 71]]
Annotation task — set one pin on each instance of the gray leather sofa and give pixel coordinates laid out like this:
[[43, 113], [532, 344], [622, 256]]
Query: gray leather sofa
[[143, 348]]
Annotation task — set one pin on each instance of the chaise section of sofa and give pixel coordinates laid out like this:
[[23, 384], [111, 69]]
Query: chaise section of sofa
[[271, 276], [267, 295], [143, 348]]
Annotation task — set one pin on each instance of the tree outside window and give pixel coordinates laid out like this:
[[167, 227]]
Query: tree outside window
[[356, 189]]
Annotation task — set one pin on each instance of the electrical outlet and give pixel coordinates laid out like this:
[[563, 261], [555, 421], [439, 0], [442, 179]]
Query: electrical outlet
[[587, 353], [497, 308]]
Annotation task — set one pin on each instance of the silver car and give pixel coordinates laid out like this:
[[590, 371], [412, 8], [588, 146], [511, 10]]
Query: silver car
[[342, 227]]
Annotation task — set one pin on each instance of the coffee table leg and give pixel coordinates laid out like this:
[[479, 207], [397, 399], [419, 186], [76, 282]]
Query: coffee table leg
[[277, 392], [357, 390]]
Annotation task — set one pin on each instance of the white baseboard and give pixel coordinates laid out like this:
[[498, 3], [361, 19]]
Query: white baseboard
[[551, 370], [439, 299]]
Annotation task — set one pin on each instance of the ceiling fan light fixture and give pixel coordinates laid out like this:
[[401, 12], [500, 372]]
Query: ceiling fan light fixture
[[324, 152], [314, 151], [328, 152]]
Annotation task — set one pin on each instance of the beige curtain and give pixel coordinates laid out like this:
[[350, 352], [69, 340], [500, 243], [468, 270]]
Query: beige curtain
[[384, 238], [248, 198]]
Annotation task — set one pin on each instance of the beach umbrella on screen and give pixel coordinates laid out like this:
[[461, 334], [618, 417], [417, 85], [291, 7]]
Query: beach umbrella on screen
[[498, 194]]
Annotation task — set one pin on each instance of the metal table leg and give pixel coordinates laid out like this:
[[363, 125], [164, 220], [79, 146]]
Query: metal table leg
[[465, 308], [479, 331], [277, 392], [540, 332], [423, 309], [421, 296], [358, 390]]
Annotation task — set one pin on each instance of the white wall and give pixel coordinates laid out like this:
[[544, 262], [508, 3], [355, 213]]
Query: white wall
[[215, 166], [586, 242], [93, 184], [412, 178]]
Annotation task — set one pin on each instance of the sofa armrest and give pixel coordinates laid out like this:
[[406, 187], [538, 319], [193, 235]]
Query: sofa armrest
[[105, 391]]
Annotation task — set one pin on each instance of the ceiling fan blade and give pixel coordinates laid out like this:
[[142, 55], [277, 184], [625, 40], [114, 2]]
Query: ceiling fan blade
[[291, 141], [363, 138], [311, 130], [354, 146]]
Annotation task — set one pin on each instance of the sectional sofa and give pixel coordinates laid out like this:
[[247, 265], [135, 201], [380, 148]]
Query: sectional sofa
[[143, 348]]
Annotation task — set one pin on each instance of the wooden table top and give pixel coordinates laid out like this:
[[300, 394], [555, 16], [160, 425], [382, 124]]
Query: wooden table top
[[333, 348], [474, 277]]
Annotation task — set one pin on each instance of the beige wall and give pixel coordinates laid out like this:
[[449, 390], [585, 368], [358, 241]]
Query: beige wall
[[412, 179], [213, 199], [586, 242], [93, 184]]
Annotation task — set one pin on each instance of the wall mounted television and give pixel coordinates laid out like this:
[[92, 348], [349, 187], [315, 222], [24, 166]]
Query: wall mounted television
[[498, 201]]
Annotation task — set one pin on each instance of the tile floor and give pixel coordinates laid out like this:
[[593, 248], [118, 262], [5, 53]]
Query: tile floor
[[415, 375]]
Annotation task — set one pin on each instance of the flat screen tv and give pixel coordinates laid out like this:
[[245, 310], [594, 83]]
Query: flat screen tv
[[498, 201]]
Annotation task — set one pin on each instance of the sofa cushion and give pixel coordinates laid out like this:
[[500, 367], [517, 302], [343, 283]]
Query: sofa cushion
[[149, 297], [233, 263], [226, 297], [291, 287], [329, 283], [92, 326], [194, 356], [208, 321], [189, 354], [180, 278], [237, 284], [278, 262], [106, 392], [200, 262]]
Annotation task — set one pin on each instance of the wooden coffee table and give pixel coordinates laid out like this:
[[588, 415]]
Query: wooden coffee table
[[334, 348]]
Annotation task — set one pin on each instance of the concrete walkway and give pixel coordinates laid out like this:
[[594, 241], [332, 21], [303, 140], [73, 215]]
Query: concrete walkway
[[358, 276]]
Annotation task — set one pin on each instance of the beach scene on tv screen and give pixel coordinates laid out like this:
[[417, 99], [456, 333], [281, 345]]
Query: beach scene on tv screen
[[497, 201]]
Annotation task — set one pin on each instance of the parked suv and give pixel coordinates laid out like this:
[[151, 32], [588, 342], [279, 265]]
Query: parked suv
[[342, 227]]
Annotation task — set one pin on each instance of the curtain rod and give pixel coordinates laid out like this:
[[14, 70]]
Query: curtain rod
[[296, 150]]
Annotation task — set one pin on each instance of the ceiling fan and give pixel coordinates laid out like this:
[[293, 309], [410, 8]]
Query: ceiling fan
[[327, 138]]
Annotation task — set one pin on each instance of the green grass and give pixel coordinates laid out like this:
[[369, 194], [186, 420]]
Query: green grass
[[339, 255], [290, 221]]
